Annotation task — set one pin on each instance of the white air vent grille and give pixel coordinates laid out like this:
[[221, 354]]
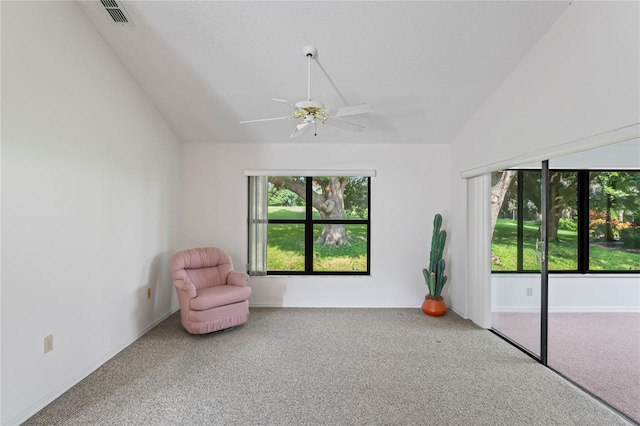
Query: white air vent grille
[[117, 12]]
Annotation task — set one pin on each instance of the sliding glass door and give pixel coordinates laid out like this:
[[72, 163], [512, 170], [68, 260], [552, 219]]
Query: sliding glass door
[[594, 306], [580, 220], [518, 203]]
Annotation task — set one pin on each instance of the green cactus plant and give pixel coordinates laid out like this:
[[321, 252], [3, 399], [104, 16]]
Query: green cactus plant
[[434, 275]]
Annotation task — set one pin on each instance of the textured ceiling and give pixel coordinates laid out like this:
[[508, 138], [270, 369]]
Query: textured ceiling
[[424, 67]]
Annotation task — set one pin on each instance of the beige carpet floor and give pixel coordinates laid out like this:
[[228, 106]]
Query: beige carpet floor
[[326, 367], [598, 351]]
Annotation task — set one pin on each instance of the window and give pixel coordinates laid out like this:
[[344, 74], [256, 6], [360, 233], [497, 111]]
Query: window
[[594, 221], [314, 225], [614, 220]]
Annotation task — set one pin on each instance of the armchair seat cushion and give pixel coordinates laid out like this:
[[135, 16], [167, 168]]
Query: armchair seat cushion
[[221, 295]]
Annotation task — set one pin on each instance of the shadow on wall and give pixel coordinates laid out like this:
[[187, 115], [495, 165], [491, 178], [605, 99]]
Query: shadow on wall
[[154, 295]]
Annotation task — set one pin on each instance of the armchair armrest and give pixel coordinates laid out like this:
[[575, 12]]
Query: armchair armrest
[[237, 278], [186, 286]]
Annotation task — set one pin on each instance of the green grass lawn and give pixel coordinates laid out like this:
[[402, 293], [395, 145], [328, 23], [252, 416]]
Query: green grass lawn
[[285, 250], [562, 254], [296, 212]]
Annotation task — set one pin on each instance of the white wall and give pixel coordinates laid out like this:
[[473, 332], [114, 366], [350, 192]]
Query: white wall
[[91, 187], [408, 191], [581, 79], [623, 155], [567, 293]]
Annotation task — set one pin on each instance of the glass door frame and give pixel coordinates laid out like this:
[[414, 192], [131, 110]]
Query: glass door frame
[[542, 355], [544, 267]]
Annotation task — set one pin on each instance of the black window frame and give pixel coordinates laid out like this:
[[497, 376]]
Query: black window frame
[[583, 182], [309, 222]]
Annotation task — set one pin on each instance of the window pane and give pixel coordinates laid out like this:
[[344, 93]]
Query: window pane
[[356, 198], [350, 203], [348, 257], [614, 220], [504, 201], [285, 247], [532, 220], [508, 206], [563, 221], [283, 202]]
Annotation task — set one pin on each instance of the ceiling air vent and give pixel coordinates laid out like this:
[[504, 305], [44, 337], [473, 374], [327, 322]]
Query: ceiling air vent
[[117, 12]]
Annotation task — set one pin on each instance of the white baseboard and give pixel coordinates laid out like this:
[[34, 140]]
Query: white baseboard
[[566, 309]]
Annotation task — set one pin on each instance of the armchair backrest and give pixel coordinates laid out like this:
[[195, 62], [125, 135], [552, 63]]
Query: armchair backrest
[[204, 267]]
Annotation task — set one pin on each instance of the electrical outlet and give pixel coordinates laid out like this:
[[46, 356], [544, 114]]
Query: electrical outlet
[[529, 291], [48, 343], [148, 292]]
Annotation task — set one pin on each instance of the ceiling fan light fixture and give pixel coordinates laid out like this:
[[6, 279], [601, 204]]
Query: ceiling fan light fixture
[[306, 108]]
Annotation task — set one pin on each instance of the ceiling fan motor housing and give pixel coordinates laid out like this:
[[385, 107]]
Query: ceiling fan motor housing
[[311, 107]]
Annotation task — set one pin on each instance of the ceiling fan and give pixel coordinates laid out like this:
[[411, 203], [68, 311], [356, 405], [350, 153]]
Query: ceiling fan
[[311, 112]]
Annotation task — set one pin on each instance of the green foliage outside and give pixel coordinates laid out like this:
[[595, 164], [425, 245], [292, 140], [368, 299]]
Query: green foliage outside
[[279, 196], [615, 190], [562, 254], [630, 236], [356, 197], [285, 245], [568, 225]]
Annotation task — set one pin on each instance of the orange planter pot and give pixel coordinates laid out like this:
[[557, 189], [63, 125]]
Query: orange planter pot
[[434, 307]]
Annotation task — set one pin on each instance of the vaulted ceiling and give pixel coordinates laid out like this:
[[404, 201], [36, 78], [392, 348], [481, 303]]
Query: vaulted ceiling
[[425, 67]]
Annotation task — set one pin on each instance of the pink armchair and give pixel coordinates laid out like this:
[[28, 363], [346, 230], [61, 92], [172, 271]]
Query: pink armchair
[[212, 295]]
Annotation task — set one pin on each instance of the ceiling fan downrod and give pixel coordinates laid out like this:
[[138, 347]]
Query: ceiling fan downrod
[[310, 52]]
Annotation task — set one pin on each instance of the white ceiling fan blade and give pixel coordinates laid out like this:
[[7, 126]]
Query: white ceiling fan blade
[[299, 129], [286, 102], [353, 109], [343, 124], [267, 119]]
